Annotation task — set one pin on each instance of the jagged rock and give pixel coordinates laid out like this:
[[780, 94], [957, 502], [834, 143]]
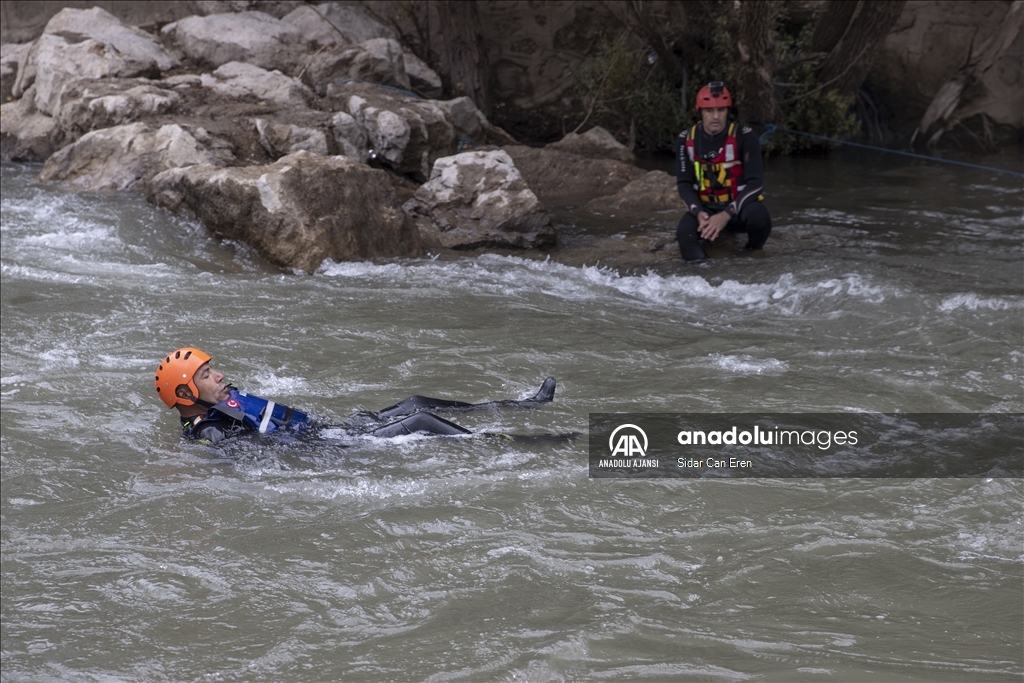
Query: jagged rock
[[91, 104], [561, 176], [254, 38], [26, 134], [408, 133], [350, 136], [478, 199], [281, 139], [89, 43], [235, 80], [379, 60], [422, 79], [11, 54], [296, 212], [655, 191], [596, 143], [354, 23], [316, 29], [122, 157]]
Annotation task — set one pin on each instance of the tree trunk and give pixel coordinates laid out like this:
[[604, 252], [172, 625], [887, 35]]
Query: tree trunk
[[938, 118], [851, 55], [755, 91], [463, 59]]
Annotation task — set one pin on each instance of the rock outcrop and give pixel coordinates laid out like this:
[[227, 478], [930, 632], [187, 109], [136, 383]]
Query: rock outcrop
[[86, 44], [254, 38], [296, 212], [596, 143], [479, 199], [561, 176], [650, 193], [123, 157]]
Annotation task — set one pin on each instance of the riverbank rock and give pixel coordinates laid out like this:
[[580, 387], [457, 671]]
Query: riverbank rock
[[91, 104], [124, 157], [254, 38], [407, 133], [378, 60], [236, 80], [479, 199], [296, 212], [282, 139], [596, 143], [11, 55], [561, 176], [655, 191], [25, 133], [89, 43]]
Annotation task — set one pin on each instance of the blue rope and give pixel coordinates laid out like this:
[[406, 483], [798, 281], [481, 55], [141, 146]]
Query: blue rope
[[770, 129]]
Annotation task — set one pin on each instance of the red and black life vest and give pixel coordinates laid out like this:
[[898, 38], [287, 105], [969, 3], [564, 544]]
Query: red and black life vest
[[718, 178]]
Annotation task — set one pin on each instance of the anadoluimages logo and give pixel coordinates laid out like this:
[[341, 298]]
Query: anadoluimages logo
[[628, 443]]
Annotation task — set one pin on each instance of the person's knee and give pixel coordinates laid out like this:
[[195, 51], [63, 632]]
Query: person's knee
[[686, 235], [758, 223]]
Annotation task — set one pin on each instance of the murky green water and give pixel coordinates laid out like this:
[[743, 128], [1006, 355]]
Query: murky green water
[[128, 555]]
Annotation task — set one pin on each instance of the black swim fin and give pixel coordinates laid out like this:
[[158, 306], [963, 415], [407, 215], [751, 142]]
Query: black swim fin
[[415, 404]]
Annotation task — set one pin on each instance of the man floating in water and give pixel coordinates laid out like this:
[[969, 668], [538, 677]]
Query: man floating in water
[[719, 177], [212, 411]]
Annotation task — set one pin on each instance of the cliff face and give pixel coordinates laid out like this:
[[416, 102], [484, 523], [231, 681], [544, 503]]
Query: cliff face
[[929, 43]]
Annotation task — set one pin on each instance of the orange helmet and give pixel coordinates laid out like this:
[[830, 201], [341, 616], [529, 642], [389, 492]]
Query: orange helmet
[[714, 95], [177, 369]]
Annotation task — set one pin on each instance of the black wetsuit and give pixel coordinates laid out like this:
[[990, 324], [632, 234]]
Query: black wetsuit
[[747, 212], [224, 421]]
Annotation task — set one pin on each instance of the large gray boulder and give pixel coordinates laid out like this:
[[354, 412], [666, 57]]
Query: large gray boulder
[[128, 156], [254, 38], [653, 192], [91, 104], [478, 199], [282, 139], [25, 133], [596, 143], [89, 43], [561, 176], [353, 23], [296, 212], [378, 60], [407, 133], [238, 81]]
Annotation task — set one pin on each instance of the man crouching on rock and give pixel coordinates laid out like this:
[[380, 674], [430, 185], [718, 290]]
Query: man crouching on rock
[[719, 175]]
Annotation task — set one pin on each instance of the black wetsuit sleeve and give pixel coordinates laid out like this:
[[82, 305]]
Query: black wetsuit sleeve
[[216, 429], [753, 170], [685, 176]]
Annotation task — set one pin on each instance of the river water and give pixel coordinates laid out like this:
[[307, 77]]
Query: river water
[[129, 555]]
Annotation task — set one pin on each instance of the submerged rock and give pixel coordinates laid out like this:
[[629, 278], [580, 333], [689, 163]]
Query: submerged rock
[[124, 157], [479, 199], [296, 212]]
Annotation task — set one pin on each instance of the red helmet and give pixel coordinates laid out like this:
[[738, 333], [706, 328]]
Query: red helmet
[[179, 368], [714, 95]]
